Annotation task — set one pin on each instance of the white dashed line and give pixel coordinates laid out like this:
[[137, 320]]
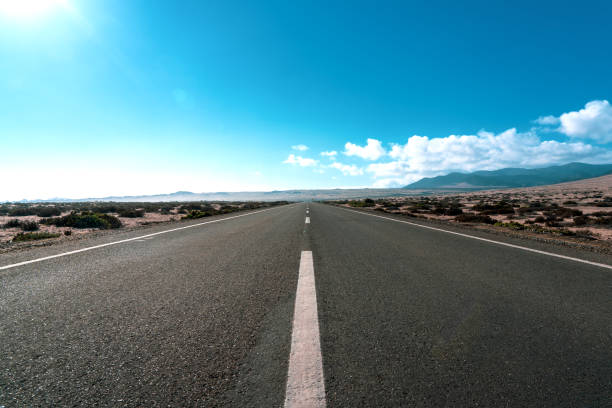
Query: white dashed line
[[305, 381], [307, 220]]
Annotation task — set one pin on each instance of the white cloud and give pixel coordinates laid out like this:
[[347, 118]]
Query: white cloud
[[547, 120], [425, 157], [347, 170], [331, 154], [373, 150], [300, 161], [300, 147], [592, 122]]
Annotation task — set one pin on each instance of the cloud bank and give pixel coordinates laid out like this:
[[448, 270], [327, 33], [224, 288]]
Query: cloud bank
[[422, 157], [373, 150], [300, 147], [331, 154], [593, 122], [581, 136], [300, 161], [347, 170]]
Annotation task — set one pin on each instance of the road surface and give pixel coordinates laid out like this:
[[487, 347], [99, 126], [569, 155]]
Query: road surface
[[304, 305]]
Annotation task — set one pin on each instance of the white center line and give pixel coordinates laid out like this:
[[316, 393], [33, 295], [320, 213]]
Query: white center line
[[131, 239], [305, 381], [537, 251], [307, 220]]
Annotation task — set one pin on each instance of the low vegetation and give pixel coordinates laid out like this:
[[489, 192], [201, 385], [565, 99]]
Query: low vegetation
[[368, 202], [562, 214], [24, 225], [485, 219], [14, 223], [33, 236], [55, 219], [86, 219], [131, 213]]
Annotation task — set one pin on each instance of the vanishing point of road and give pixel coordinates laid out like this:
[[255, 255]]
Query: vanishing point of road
[[305, 305]]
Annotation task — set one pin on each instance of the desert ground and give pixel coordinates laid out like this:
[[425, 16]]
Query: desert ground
[[28, 224], [579, 211]]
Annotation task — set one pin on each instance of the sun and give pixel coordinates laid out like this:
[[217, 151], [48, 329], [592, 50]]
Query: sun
[[29, 8]]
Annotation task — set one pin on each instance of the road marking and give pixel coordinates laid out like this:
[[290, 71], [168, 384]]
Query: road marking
[[307, 220], [129, 239], [537, 251], [305, 381], [307, 211]]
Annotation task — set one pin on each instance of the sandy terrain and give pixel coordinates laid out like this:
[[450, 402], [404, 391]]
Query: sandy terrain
[[7, 234], [576, 211], [142, 215]]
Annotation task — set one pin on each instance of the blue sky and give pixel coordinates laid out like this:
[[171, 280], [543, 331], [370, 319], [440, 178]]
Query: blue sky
[[133, 97]]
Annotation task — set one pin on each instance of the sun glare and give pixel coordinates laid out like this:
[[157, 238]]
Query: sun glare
[[29, 8]]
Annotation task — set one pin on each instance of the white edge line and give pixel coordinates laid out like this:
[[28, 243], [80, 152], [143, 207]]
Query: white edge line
[[128, 240], [305, 379], [537, 251]]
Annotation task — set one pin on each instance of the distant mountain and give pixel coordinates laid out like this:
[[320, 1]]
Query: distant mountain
[[451, 183], [513, 177], [287, 195]]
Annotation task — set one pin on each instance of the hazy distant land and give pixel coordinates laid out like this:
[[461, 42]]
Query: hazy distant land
[[446, 184]]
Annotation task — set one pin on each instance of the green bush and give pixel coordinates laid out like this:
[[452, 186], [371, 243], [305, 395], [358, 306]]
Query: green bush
[[197, 214], [447, 211], [29, 226], [512, 225], [12, 224], [131, 213], [474, 218], [563, 212], [501, 207], [166, 210], [85, 220], [88, 221], [112, 221], [21, 212], [603, 221], [33, 236], [581, 220], [194, 206], [368, 202], [47, 211]]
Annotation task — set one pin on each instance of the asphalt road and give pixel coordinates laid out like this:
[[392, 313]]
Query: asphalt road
[[203, 316]]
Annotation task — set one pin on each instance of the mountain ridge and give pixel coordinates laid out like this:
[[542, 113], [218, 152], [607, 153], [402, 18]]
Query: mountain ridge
[[513, 177]]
